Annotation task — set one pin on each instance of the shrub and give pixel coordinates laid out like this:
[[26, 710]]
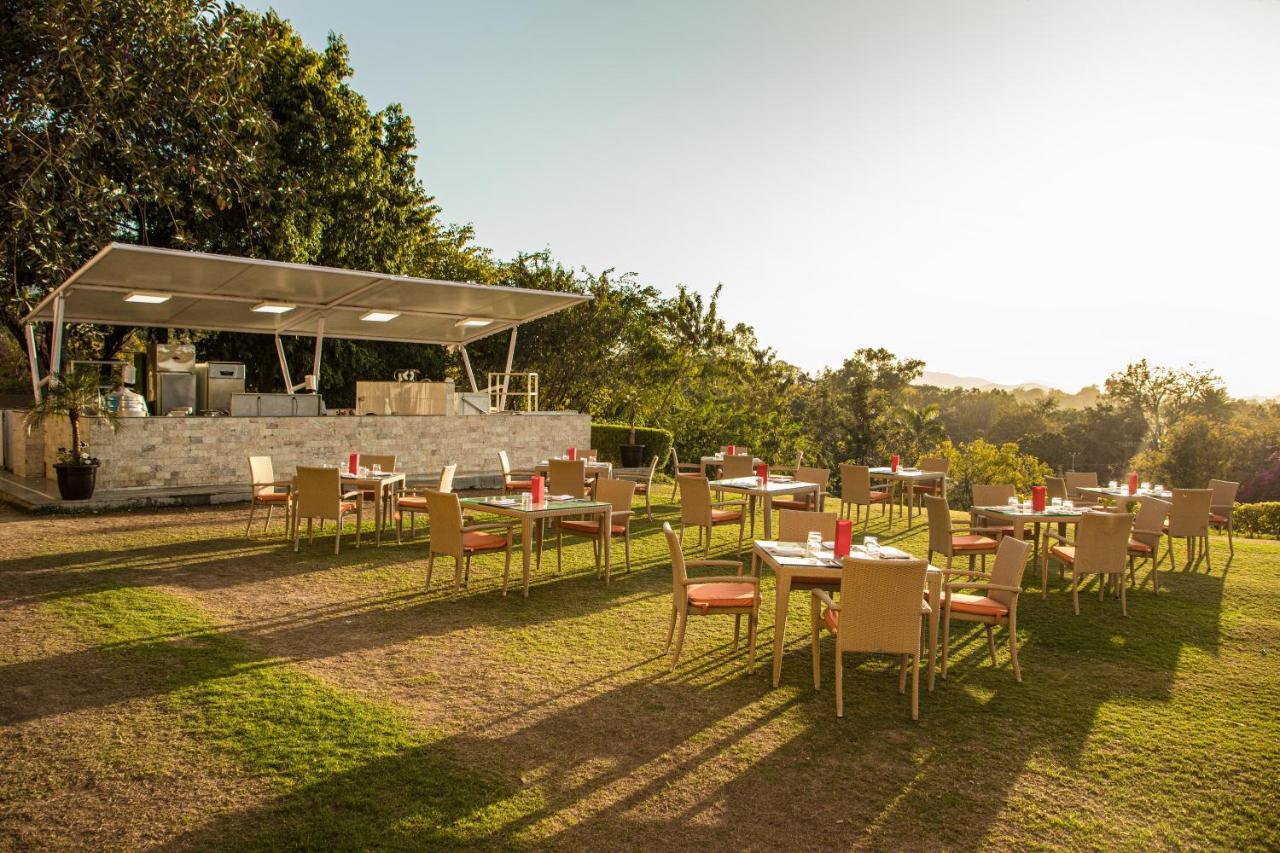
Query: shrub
[[982, 462], [1260, 519], [607, 438]]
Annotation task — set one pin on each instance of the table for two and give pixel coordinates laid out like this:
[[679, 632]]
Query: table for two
[[1122, 493], [1019, 518], [709, 462], [909, 477], [766, 490]]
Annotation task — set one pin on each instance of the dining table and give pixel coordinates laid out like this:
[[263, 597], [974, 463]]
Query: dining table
[[794, 569], [766, 489], [717, 461], [1021, 515], [1122, 493], [532, 515], [383, 485], [909, 477]]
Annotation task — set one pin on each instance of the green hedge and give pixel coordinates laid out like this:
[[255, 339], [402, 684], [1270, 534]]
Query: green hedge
[[607, 438], [1260, 519]]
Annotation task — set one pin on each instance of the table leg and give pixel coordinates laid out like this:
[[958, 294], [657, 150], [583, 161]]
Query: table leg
[[526, 548], [768, 516], [377, 516], [934, 580], [782, 598], [606, 533], [911, 505]]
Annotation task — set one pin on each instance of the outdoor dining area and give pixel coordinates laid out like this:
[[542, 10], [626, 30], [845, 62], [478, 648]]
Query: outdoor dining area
[[871, 596]]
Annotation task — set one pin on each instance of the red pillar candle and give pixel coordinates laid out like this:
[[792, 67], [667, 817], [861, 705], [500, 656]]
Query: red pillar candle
[[893, 463], [535, 489], [1037, 498], [573, 454], [731, 450], [844, 537], [1133, 482], [353, 463], [762, 471]]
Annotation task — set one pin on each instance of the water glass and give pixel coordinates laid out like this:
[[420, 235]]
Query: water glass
[[1013, 503], [872, 546], [1145, 487], [1113, 485], [813, 545], [1068, 504], [1159, 487], [377, 469], [1056, 503]]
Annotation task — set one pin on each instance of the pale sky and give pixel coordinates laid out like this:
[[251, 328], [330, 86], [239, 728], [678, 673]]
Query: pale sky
[[1022, 190]]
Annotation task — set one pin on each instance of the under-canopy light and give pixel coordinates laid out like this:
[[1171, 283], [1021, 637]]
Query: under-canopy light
[[150, 297], [273, 308], [379, 316], [473, 322]]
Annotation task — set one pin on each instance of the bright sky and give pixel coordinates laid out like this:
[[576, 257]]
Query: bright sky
[[1022, 190]]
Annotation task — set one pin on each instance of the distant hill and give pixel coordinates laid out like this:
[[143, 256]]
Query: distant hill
[[1027, 392]]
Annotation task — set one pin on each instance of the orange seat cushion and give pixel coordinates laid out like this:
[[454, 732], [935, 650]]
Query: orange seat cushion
[[642, 488], [1214, 518], [347, 506], [788, 503], [1065, 553], [412, 502], [478, 540], [518, 484], [721, 515], [973, 542], [979, 605], [1136, 547], [831, 618], [272, 497], [707, 595], [880, 496], [591, 528]]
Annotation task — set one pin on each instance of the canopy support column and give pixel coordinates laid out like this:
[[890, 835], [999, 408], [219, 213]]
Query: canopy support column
[[284, 366], [55, 347], [506, 376], [466, 362], [315, 362], [29, 332]]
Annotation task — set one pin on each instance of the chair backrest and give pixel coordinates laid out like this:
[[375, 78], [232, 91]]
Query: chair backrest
[[505, 462], [880, 604], [993, 495], [737, 466], [1010, 562], [386, 460], [679, 572], [1189, 514], [855, 484], [821, 476], [1056, 487], [939, 523], [317, 493], [590, 453], [1102, 543], [446, 522], [934, 463], [675, 460], [446, 477], [617, 492], [261, 473], [653, 467], [567, 478], [1077, 480], [695, 499], [1224, 496], [1150, 519], [796, 525]]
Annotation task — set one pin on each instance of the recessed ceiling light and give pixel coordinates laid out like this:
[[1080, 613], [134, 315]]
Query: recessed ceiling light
[[473, 322], [272, 308], [379, 316], [148, 297]]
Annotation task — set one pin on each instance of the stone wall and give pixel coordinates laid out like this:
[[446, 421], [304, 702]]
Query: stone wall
[[179, 452]]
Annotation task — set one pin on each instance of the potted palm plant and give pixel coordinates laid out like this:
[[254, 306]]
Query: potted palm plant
[[75, 395]]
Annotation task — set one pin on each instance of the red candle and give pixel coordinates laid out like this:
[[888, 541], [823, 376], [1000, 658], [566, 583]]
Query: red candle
[[762, 471], [353, 463], [844, 537], [732, 450], [573, 453], [893, 463], [1133, 482], [1037, 498], [535, 489]]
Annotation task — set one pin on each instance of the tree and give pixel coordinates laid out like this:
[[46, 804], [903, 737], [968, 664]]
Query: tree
[[921, 428], [983, 462], [1162, 394]]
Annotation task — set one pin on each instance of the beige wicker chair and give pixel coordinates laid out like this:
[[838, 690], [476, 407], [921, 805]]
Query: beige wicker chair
[[644, 485], [856, 492], [264, 490], [949, 541], [452, 537], [1056, 487], [735, 595], [697, 509], [937, 488], [737, 466], [513, 481], [992, 495], [1077, 480], [567, 478], [788, 469], [1101, 548], [998, 607], [617, 492], [385, 462], [807, 502], [884, 602], [1189, 520], [414, 501], [680, 469], [1144, 539], [317, 494], [1222, 508]]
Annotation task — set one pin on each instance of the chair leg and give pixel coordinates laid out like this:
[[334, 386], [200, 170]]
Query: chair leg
[[1208, 563], [466, 571], [1124, 606], [559, 548], [1231, 539], [431, 564], [991, 644], [675, 656], [267, 524], [915, 686], [706, 543], [337, 535], [671, 632], [814, 639], [506, 566], [946, 638], [737, 629], [902, 673], [457, 572], [296, 530], [1075, 592], [753, 623], [1013, 644], [839, 680]]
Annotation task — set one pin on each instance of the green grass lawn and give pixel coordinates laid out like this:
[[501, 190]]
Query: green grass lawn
[[166, 682]]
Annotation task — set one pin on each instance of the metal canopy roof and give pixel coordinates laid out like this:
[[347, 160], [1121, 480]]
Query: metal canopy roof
[[219, 292]]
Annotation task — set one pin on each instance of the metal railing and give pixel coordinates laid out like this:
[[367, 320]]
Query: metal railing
[[501, 391]]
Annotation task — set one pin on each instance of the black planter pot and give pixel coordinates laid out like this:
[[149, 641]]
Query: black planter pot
[[76, 482], [632, 455]]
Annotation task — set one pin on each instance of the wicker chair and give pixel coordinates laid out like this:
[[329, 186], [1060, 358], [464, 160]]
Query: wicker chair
[[697, 509], [999, 606], [1077, 480], [644, 485], [566, 477], [617, 492], [1056, 487], [789, 469], [1101, 548], [384, 462], [993, 495], [735, 595], [949, 541], [317, 494], [807, 502], [884, 601], [856, 492], [1189, 520], [1144, 539], [937, 488], [452, 537], [680, 469], [1222, 508], [513, 481], [414, 501], [264, 490]]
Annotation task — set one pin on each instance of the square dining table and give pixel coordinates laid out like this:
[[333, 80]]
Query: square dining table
[[766, 490], [1122, 493], [909, 477], [717, 461], [825, 570], [531, 519], [382, 485], [1020, 518]]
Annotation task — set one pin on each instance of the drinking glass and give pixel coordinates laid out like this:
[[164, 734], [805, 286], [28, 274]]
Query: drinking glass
[[1159, 487], [872, 546], [1145, 487], [1013, 503], [1114, 484], [1068, 504], [1056, 503], [377, 469], [813, 544]]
